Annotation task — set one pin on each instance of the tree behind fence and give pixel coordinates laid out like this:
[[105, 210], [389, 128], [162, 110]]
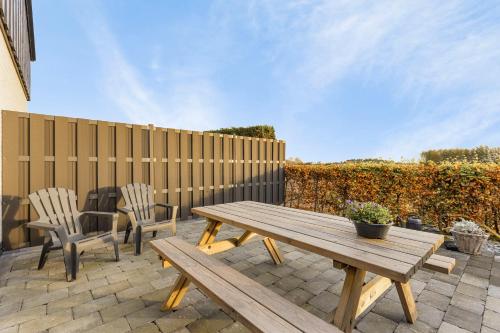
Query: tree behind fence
[[95, 158]]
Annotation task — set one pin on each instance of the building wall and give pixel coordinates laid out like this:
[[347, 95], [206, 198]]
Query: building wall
[[12, 95]]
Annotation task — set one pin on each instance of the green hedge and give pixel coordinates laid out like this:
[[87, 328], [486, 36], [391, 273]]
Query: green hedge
[[482, 154], [259, 131], [439, 193]]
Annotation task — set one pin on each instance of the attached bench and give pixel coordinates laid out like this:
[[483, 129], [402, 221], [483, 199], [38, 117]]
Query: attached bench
[[440, 264], [258, 308]]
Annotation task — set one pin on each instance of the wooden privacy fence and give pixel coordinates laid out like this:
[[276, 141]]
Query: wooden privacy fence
[[95, 158]]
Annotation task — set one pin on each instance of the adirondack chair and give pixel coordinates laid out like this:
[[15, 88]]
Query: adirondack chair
[[140, 210], [60, 220]]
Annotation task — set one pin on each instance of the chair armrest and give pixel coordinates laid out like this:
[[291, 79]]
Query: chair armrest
[[173, 209], [167, 205], [44, 226], [113, 216], [124, 210]]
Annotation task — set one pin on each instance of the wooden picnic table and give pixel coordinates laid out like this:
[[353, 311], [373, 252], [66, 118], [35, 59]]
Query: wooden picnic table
[[393, 260]]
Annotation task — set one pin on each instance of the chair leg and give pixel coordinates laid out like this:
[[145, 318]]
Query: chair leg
[[67, 264], [117, 254], [45, 251], [138, 240], [154, 233], [127, 233], [75, 261]]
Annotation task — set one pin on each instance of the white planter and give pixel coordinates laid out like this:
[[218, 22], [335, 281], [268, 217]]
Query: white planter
[[469, 243]]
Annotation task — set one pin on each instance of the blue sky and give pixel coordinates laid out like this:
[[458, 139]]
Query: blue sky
[[337, 79]]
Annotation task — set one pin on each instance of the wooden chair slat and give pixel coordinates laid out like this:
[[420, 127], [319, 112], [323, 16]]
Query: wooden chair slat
[[56, 204], [47, 205], [151, 202], [64, 199], [36, 201], [145, 203], [75, 214], [135, 204]]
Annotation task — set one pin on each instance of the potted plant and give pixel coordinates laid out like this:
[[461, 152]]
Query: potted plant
[[469, 236], [370, 219]]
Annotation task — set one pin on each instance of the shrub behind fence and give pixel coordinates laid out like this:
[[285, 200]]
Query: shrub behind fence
[[439, 193]]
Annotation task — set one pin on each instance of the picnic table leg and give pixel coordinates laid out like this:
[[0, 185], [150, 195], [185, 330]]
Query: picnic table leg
[[345, 313], [177, 294], [211, 230], [407, 301], [273, 250]]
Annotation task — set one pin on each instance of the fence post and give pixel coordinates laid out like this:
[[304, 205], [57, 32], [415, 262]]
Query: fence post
[[151, 157]]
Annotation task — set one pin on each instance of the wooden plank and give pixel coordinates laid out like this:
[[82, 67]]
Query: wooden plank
[[262, 170], [61, 151], [173, 166], [37, 164], [281, 173], [210, 232], [121, 168], [345, 314], [407, 301], [137, 153], [269, 171], [247, 156], [334, 232], [255, 169], [223, 293], [260, 299], [197, 169], [238, 168], [226, 167], [184, 175], [393, 269], [83, 172], [208, 169], [440, 264], [371, 291], [275, 172], [273, 250], [434, 240], [218, 180], [103, 173], [379, 247], [175, 296]]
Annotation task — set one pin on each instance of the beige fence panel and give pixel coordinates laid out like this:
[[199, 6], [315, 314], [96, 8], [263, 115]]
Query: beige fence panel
[[95, 158]]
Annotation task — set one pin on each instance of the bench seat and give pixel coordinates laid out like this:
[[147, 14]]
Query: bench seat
[[440, 263], [257, 307]]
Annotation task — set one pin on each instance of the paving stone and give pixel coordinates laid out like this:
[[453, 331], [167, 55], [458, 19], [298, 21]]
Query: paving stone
[[463, 319], [473, 291], [390, 309], [22, 316], [434, 299], [475, 280], [288, 283], [493, 303], [316, 286], [211, 324], [115, 326], [266, 279], [282, 271], [372, 322], [148, 328], [491, 319], [9, 308], [235, 327], [417, 327], [94, 305], [12, 329], [447, 278], [468, 303], [429, 315], [78, 325], [80, 287], [134, 293], [121, 309], [44, 298], [144, 316], [43, 323], [479, 272], [177, 319], [325, 301], [494, 291], [110, 289], [485, 329], [68, 302], [449, 328], [298, 296], [440, 287], [332, 275]]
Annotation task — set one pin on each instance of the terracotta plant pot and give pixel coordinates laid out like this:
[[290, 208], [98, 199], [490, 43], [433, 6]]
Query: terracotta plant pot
[[370, 230], [469, 243]]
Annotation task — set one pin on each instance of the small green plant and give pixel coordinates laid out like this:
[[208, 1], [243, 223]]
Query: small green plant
[[368, 212], [467, 227]]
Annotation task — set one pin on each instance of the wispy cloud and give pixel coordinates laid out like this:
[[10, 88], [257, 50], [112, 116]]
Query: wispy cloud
[[163, 98], [444, 56]]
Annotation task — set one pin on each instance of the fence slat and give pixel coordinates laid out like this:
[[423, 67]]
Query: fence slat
[[184, 175], [61, 151], [37, 165], [83, 167], [208, 169]]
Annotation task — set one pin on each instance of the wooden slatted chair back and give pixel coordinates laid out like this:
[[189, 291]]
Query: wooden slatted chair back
[[57, 206], [139, 198]]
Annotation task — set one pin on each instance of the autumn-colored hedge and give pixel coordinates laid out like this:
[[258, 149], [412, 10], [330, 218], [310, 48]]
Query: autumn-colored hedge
[[259, 131], [439, 193]]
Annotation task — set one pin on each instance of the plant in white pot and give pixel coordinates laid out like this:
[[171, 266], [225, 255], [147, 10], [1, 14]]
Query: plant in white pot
[[370, 219], [469, 236]]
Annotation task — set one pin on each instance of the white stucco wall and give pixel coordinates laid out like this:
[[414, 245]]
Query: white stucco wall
[[12, 98]]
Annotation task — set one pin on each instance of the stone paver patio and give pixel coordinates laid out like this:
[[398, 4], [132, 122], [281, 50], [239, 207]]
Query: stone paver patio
[[125, 296]]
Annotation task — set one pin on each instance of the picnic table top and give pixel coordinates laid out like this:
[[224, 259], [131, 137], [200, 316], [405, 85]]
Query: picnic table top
[[398, 257]]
